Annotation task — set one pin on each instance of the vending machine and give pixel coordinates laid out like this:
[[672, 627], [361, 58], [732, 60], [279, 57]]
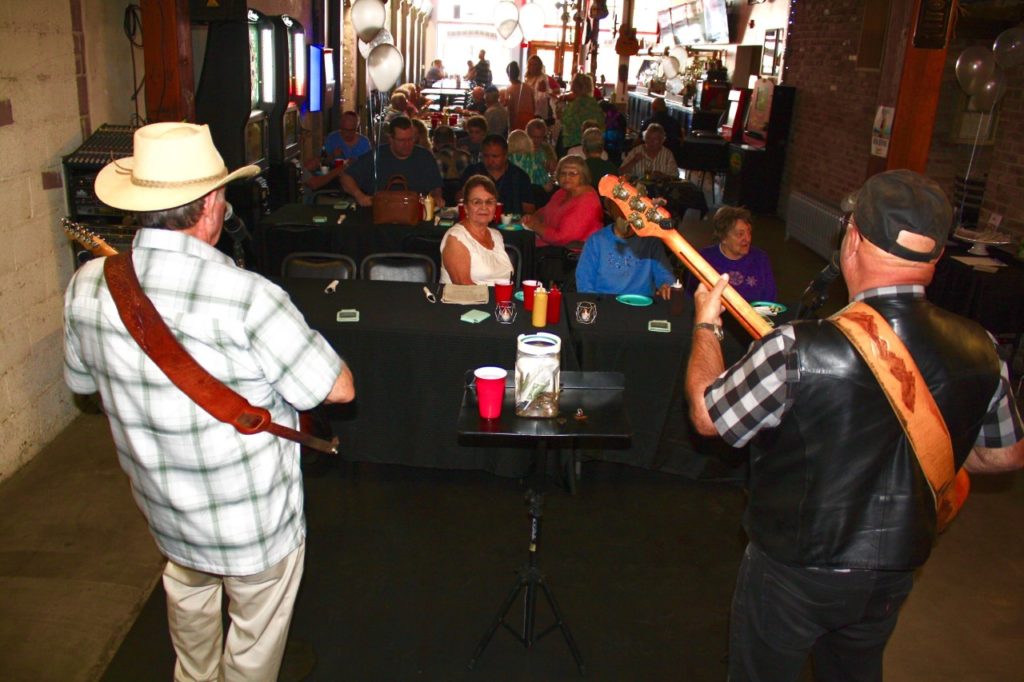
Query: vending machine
[[290, 96], [757, 159]]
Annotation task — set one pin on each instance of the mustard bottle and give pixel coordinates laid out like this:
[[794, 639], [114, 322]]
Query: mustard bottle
[[540, 307]]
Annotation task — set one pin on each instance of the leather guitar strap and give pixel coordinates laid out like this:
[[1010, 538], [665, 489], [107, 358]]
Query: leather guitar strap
[[901, 380], [151, 333]]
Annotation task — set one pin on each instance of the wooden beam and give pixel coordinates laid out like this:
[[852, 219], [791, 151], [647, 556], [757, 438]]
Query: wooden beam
[[167, 47]]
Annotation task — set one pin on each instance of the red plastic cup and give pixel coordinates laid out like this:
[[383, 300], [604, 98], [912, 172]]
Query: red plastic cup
[[490, 390], [453, 119], [462, 212], [435, 120], [503, 291], [498, 209], [528, 287]]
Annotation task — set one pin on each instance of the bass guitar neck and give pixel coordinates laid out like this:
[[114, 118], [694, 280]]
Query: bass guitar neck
[[645, 220]]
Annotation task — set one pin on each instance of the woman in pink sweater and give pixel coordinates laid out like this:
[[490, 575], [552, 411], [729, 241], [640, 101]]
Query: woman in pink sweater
[[574, 211]]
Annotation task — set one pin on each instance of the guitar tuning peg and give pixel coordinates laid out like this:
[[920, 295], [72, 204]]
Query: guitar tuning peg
[[637, 204]]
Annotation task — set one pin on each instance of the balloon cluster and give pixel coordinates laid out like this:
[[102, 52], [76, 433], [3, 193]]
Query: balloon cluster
[[980, 71], [384, 62], [514, 24]]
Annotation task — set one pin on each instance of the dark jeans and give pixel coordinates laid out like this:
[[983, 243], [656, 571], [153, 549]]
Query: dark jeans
[[782, 613]]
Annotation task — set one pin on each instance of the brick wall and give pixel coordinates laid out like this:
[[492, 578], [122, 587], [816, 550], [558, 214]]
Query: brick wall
[[830, 139], [39, 122], [1004, 192]]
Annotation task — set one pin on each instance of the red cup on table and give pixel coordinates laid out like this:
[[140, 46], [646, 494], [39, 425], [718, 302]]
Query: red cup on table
[[529, 285], [462, 212], [503, 291], [453, 119], [490, 390], [435, 119], [499, 208]]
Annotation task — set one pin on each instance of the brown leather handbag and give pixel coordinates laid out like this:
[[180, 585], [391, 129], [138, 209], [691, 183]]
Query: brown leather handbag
[[396, 206]]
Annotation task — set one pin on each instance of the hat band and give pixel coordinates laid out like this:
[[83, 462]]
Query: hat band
[[163, 184]]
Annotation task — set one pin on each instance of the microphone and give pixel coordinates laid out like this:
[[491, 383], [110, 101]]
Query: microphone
[[236, 229], [816, 293]]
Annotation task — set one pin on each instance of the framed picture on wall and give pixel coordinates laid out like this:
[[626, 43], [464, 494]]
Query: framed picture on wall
[[771, 55]]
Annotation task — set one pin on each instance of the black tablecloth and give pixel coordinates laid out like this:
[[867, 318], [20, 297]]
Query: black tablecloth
[[292, 228], [409, 359], [994, 299]]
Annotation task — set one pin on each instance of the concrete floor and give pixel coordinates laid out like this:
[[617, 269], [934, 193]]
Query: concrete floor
[[77, 563]]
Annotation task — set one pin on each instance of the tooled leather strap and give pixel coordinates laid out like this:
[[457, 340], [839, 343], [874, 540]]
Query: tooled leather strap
[[151, 333], [901, 380]]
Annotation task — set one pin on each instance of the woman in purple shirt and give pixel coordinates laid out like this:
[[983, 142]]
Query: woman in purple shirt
[[749, 269]]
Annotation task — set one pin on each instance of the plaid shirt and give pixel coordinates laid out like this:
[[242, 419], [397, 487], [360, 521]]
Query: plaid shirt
[[754, 394], [216, 500]]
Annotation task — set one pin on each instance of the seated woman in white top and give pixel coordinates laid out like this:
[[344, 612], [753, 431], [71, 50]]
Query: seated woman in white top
[[471, 251]]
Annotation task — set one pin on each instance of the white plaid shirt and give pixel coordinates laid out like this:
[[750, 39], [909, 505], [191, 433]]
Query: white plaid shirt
[[754, 394], [216, 500]]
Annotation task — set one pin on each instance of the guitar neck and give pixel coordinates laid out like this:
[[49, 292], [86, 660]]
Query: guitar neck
[[738, 306], [644, 218], [87, 238]]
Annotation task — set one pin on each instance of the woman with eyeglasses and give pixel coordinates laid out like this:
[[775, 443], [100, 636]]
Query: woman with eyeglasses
[[574, 211], [471, 251]]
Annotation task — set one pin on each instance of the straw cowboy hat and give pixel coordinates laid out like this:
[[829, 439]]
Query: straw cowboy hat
[[174, 164]]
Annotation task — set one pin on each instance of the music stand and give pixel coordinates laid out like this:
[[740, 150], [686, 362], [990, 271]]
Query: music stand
[[592, 414]]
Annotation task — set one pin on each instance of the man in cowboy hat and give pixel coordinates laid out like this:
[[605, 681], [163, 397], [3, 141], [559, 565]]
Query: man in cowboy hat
[[840, 513], [223, 507]]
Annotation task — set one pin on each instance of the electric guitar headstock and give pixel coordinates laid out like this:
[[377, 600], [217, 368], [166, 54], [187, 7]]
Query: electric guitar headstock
[[644, 218], [88, 239]]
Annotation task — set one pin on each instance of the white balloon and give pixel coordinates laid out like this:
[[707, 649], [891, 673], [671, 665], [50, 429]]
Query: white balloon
[[1009, 47], [507, 28], [504, 12], [670, 67], [368, 17], [385, 65], [515, 38], [532, 20], [383, 37]]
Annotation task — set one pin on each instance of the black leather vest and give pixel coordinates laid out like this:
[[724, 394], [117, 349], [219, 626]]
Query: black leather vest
[[837, 484]]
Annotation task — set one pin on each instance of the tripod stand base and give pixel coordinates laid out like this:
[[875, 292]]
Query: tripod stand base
[[529, 578]]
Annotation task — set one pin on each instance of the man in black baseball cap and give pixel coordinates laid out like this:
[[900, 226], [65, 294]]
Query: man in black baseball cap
[[840, 510]]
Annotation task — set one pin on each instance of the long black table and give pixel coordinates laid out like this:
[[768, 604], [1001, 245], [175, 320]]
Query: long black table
[[409, 359], [294, 227], [993, 299]]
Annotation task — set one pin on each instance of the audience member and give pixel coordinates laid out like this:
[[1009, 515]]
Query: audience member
[[478, 101], [748, 267], [341, 148], [574, 211], [422, 133], [616, 261], [593, 148], [538, 132], [581, 108], [476, 131], [434, 73], [544, 87], [513, 184], [673, 131], [518, 97], [522, 153], [471, 251], [496, 114], [651, 158], [482, 70], [398, 106], [443, 136], [402, 157], [578, 149], [614, 131]]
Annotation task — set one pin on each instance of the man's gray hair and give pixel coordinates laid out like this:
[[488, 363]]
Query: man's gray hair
[[177, 218], [593, 141]]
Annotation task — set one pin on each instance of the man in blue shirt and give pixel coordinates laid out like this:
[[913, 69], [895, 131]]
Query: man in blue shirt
[[346, 142], [514, 189], [615, 261], [402, 157]]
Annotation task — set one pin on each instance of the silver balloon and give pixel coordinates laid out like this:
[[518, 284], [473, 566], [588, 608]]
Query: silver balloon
[[513, 39], [1008, 48], [507, 28], [368, 17], [974, 68], [383, 37], [670, 66], [385, 65], [990, 92], [532, 20]]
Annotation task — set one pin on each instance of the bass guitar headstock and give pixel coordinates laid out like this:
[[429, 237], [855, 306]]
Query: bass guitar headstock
[[639, 211]]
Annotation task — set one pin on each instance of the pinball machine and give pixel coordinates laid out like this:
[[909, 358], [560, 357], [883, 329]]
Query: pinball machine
[[291, 95], [235, 96], [757, 158]]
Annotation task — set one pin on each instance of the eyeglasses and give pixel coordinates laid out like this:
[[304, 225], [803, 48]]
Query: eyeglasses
[[570, 173], [478, 203]]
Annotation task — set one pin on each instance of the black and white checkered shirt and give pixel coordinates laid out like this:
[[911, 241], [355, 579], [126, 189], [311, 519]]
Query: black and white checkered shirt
[[755, 393]]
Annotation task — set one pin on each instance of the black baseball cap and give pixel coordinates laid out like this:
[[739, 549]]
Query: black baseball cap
[[897, 201]]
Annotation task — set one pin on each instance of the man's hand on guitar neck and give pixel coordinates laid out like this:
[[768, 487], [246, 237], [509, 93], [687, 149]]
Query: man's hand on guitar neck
[[708, 303]]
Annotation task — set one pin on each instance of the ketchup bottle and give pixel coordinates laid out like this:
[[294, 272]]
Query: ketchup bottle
[[554, 305]]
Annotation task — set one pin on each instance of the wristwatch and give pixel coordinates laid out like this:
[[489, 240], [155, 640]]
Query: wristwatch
[[713, 328]]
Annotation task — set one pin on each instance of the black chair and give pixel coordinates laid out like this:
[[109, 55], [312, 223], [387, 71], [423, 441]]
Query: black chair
[[280, 239], [424, 245], [516, 256], [318, 265], [398, 267]]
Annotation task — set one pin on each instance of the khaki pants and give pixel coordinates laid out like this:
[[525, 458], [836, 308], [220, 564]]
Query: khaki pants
[[260, 607]]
